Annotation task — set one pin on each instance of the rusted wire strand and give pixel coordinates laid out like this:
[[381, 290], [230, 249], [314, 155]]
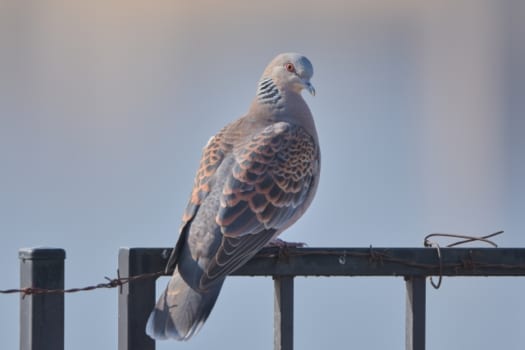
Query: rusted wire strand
[[464, 239], [374, 256], [112, 283]]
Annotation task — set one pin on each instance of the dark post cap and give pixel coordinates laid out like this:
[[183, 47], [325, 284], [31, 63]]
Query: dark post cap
[[41, 253]]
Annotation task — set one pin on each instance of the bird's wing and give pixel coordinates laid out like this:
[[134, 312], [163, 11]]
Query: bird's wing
[[270, 180], [212, 156]]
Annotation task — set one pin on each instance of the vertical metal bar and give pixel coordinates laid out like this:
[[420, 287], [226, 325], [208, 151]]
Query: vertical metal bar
[[135, 301], [42, 315], [283, 313], [415, 313]]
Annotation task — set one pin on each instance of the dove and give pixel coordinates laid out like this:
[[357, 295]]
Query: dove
[[257, 176]]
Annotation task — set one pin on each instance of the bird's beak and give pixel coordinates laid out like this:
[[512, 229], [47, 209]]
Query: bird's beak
[[308, 86]]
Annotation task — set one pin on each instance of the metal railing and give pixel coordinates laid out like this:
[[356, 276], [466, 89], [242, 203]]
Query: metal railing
[[42, 313]]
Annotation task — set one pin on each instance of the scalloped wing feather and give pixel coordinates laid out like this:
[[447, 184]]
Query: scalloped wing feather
[[270, 181]]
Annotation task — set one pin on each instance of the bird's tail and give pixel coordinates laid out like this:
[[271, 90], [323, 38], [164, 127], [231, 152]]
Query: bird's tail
[[181, 311]]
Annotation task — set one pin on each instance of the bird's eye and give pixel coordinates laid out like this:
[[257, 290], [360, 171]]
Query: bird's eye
[[289, 67]]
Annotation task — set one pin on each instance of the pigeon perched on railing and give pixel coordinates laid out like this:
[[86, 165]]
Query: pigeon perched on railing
[[257, 176]]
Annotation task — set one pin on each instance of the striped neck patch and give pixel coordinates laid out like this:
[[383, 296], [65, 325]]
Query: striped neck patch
[[267, 92]]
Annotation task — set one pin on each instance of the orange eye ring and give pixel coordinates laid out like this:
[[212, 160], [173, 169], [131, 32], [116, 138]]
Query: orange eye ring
[[290, 67]]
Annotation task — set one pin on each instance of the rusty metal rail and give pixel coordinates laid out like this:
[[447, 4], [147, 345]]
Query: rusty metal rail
[[42, 285]]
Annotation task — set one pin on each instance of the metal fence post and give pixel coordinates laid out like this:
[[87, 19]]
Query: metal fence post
[[283, 313], [136, 298], [415, 313], [42, 315]]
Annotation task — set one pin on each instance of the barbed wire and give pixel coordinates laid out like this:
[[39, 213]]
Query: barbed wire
[[373, 256], [112, 283]]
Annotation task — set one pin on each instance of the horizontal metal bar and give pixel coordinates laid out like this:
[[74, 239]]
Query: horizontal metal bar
[[372, 261]]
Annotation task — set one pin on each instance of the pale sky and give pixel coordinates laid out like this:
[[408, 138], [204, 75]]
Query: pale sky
[[105, 108]]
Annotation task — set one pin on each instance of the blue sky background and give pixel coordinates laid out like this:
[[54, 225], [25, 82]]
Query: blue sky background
[[106, 105]]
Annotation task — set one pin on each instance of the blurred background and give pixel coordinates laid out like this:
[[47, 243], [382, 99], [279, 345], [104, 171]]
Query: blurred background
[[420, 108]]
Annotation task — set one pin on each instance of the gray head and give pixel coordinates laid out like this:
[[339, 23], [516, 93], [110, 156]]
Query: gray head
[[291, 71]]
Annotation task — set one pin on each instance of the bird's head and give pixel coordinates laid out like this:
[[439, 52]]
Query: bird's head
[[291, 71]]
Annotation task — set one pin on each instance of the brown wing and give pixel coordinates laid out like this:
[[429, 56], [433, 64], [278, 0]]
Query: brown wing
[[268, 185], [212, 156]]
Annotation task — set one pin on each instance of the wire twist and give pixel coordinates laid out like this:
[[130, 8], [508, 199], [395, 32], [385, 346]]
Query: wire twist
[[464, 239]]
